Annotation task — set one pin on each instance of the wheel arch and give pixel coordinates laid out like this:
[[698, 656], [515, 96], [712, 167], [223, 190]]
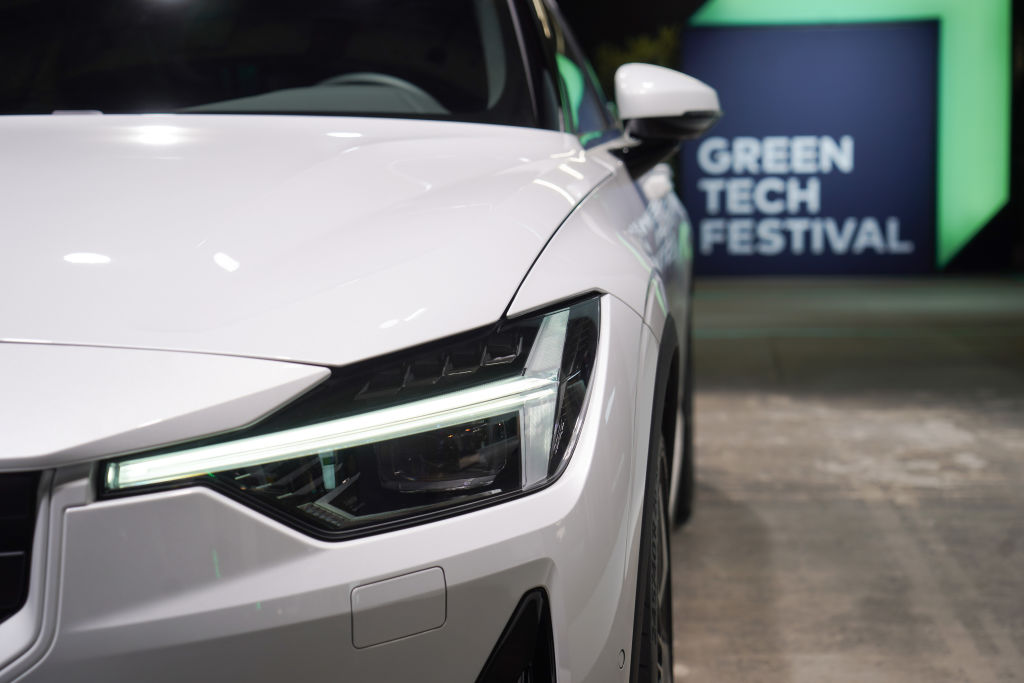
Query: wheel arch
[[662, 425], [667, 393]]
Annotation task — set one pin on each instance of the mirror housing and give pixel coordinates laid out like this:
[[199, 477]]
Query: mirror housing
[[661, 108]]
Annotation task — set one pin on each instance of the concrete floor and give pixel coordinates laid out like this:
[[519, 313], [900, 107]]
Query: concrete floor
[[861, 483]]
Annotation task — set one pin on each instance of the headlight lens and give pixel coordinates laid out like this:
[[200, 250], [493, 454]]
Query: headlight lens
[[464, 423]]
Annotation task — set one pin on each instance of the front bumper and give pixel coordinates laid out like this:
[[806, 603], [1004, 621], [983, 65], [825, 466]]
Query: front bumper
[[189, 585]]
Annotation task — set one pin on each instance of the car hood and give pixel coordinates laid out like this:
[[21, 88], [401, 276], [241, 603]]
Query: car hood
[[317, 239]]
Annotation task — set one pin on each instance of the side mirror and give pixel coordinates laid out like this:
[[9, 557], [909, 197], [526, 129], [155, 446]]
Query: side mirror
[[661, 108]]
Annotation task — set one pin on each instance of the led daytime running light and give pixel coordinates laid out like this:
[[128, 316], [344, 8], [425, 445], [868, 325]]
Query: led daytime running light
[[403, 420]]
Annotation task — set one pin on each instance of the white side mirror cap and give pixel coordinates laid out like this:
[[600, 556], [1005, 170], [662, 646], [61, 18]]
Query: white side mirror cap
[[661, 108], [644, 91]]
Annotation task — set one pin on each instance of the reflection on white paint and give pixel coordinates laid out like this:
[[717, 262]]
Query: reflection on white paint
[[388, 324], [577, 156], [226, 262], [551, 186], [87, 258], [641, 259], [608, 410], [159, 135], [572, 172], [344, 134]]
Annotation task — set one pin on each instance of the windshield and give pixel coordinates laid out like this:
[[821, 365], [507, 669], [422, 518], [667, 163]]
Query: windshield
[[438, 59]]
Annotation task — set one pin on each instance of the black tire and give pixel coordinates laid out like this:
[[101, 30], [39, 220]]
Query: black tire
[[687, 475], [652, 630]]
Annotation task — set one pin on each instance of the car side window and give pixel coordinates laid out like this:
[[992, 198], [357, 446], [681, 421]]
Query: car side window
[[587, 114]]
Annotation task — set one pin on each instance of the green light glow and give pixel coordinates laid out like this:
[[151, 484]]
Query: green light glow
[[656, 284], [974, 93], [573, 79], [685, 242]]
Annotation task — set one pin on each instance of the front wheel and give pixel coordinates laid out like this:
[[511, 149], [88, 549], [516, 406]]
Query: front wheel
[[653, 628], [687, 475]]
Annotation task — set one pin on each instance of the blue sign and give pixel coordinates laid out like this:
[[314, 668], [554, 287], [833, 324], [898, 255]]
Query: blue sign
[[824, 161]]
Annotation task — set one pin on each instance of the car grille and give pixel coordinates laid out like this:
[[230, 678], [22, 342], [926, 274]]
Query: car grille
[[17, 521]]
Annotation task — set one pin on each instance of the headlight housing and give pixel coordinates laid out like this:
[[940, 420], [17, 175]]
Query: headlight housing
[[470, 421]]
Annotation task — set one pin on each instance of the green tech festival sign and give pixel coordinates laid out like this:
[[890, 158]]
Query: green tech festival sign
[[973, 99]]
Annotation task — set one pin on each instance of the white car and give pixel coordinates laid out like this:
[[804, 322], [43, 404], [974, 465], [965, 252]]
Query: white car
[[339, 341]]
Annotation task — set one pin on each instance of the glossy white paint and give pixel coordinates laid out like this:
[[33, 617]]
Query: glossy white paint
[[25, 636], [637, 248], [171, 263], [188, 585], [317, 239], [657, 183], [617, 242], [592, 250], [400, 607], [66, 404], [644, 91]]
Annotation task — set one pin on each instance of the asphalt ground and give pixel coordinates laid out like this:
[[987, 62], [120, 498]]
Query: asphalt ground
[[860, 513]]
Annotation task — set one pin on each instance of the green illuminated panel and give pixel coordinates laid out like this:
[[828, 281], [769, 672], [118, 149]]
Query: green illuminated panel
[[974, 93], [572, 77]]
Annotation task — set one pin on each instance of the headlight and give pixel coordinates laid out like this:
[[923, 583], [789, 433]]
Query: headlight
[[449, 427]]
